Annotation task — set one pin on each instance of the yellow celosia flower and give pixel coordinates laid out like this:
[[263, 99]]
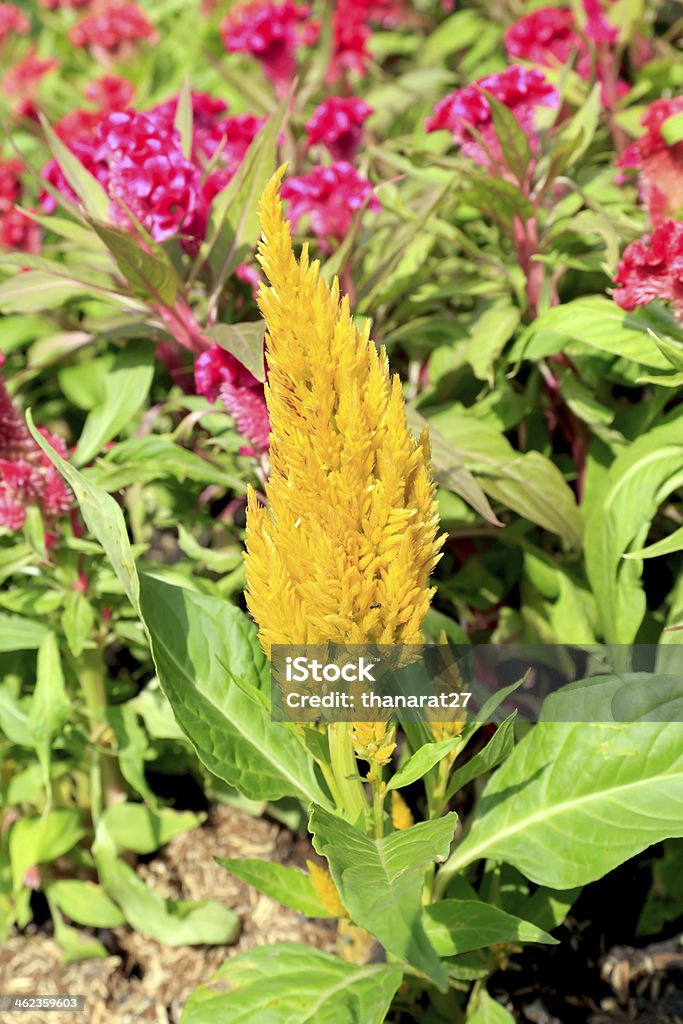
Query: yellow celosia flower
[[401, 815], [374, 741], [326, 890], [344, 550]]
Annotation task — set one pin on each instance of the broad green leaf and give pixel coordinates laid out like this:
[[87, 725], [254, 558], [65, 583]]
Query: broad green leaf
[[673, 353], [78, 619], [422, 761], [665, 898], [574, 800], [496, 750], [75, 945], [102, 516], [85, 903], [175, 923], [380, 881], [490, 1012], [139, 828], [490, 332], [459, 926], [37, 840], [672, 129], [86, 186], [150, 272], [18, 634], [126, 387], [619, 511], [666, 546], [37, 291], [244, 342], [527, 482], [288, 886], [513, 140], [132, 745], [147, 459], [291, 984], [193, 636], [184, 118], [50, 705]]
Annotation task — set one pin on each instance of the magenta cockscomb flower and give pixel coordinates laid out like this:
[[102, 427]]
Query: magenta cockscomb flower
[[208, 116], [27, 477], [17, 231], [467, 111], [12, 22], [110, 92], [237, 134], [337, 123], [330, 197], [21, 82], [659, 162], [54, 5], [218, 373], [270, 32], [652, 268], [113, 32], [548, 36]]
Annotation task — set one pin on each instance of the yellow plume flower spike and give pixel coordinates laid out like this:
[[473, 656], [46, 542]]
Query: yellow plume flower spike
[[326, 890], [344, 551], [401, 815]]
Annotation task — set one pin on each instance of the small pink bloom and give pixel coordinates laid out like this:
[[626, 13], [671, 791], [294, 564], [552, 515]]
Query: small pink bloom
[[521, 90], [548, 36], [652, 268], [330, 196], [218, 373], [32, 877], [21, 83], [660, 164], [110, 92], [112, 32], [337, 123], [12, 22], [55, 5], [598, 28], [270, 32], [350, 37]]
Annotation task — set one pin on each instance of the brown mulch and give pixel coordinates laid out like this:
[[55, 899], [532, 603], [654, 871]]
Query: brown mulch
[[145, 981]]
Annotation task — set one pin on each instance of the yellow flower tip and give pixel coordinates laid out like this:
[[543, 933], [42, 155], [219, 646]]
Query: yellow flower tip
[[401, 815], [326, 890]]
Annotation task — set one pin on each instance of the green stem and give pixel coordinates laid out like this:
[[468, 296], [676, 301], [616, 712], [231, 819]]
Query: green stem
[[354, 805], [107, 783], [378, 802]]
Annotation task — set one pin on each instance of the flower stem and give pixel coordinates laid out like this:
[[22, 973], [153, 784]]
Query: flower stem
[[345, 772]]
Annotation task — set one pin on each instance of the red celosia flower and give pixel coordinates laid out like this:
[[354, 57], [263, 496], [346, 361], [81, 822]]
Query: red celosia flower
[[10, 184], [149, 174], [521, 90], [26, 475], [652, 268], [54, 5], [110, 92], [269, 32], [12, 21], [208, 118], [112, 32], [337, 123], [598, 27], [21, 82], [330, 196], [237, 134], [17, 231], [548, 36], [660, 164], [217, 372], [350, 36]]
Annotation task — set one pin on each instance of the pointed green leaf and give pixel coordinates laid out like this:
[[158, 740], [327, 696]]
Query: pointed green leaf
[[460, 926], [288, 886], [244, 342]]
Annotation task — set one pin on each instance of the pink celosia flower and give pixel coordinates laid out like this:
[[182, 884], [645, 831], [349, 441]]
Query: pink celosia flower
[[10, 184], [598, 27], [17, 231], [330, 196], [54, 5], [652, 268], [660, 164], [521, 90], [149, 174], [269, 32], [112, 32], [110, 92], [21, 82], [238, 133], [337, 123], [208, 114], [217, 372], [12, 22], [350, 36], [548, 36], [27, 477]]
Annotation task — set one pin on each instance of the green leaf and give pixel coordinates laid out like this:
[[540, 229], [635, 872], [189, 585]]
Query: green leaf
[[666, 546], [489, 333], [150, 273], [422, 761], [78, 619], [574, 800], [139, 828], [673, 353], [19, 634], [380, 882], [671, 130], [496, 750], [193, 636], [50, 705], [174, 923], [620, 508], [513, 140], [291, 984], [85, 903], [460, 926], [244, 342], [666, 895], [126, 388], [75, 944], [147, 459], [102, 516], [184, 118], [86, 186], [490, 1012], [37, 291], [288, 886], [38, 840]]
